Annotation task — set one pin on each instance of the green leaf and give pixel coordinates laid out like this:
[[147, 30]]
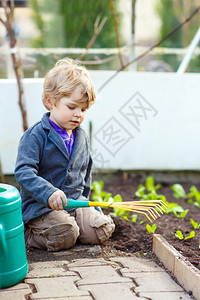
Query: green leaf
[[143, 221], [183, 214], [194, 193], [158, 186], [117, 198], [140, 191], [190, 201], [151, 229], [174, 208], [197, 204], [191, 235], [179, 192], [112, 214], [195, 225], [125, 218], [150, 183], [97, 186], [97, 198], [134, 218], [108, 198], [154, 227], [179, 235]]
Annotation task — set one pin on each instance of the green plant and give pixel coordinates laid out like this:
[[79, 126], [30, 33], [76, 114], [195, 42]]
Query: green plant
[[194, 193], [183, 214], [151, 190], [143, 221], [118, 212], [195, 225], [99, 194], [179, 192], [180, 236], [134, 218], [176, 209], [151, 229]]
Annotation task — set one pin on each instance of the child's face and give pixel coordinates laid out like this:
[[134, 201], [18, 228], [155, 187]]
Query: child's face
[[69, 112]]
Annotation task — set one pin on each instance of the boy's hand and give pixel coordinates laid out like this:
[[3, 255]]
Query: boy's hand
[[55, 200]]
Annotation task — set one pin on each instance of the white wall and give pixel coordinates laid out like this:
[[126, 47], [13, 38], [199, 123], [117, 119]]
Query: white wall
[[166, 136]]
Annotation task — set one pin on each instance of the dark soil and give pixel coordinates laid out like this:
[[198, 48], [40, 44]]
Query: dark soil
[[134, 238]]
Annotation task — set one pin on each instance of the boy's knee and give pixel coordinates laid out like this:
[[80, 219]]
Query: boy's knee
[[98, 230], [105, 231], [61, 236]]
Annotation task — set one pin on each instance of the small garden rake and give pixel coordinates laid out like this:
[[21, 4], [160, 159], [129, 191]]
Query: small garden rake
[[152, 209]]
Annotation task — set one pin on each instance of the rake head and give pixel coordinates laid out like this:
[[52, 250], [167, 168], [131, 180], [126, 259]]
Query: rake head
[[152, 209]]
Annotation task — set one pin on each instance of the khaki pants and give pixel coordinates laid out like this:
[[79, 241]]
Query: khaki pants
[[59, 230]]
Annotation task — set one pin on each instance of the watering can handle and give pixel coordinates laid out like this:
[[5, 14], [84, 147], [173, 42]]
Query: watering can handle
[[3, 245]]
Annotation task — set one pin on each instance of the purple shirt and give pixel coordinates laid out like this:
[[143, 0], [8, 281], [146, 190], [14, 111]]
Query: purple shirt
[[69, 140]]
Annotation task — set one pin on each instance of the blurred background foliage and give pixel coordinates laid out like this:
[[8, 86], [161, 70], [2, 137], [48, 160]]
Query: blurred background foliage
[[71, 23], [171, 13]]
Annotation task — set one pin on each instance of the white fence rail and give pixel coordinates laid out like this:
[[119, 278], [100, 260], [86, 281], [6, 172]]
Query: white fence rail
[[140, 121]]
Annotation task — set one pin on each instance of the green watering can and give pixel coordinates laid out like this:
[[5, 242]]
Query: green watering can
[[13, 260]]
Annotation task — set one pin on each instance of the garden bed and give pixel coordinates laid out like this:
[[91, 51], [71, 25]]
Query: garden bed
[[134, 238]]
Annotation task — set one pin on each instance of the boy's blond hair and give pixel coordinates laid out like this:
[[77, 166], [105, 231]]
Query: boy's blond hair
[[64, 78]]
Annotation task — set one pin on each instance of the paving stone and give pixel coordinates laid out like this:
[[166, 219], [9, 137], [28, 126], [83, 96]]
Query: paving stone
[[58, 287], [49, 269], [93, 251], [88, 262], [165, 295], [47, 264], [135, 264], [116, 291], [154, 282], [99, 275], [16, 292]]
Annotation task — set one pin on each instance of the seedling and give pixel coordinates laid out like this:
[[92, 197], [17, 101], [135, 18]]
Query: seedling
[[150, 184], [134, 218], [99, 194], [179, 192], [194, 193], [151, 189], [143, 221], [180, 236], [183, 214], [117, 211], [151, 229], [195, 225], [176, 209]]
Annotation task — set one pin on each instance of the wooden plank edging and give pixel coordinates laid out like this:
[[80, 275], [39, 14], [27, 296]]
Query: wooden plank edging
[[187, 275]]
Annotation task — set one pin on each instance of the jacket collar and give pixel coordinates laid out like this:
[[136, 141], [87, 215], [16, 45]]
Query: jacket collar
[[58, 141]]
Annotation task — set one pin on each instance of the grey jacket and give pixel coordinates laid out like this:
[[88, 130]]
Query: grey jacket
[[43, 166]]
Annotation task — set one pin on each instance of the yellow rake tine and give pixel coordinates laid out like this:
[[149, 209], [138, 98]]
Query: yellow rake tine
[[156, 214], [152, 209], [141, 212], [160, 210], [152, 214]]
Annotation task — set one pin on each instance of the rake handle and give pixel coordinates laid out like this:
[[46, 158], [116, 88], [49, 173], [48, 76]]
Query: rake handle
[[80, 203]]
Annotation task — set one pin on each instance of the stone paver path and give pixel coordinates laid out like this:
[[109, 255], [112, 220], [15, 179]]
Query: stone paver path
[[116, 278]]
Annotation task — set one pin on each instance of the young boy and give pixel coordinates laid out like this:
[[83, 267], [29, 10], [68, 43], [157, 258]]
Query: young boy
[[54, 164]]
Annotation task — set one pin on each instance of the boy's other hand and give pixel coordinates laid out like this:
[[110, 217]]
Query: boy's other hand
[[55, 200]]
